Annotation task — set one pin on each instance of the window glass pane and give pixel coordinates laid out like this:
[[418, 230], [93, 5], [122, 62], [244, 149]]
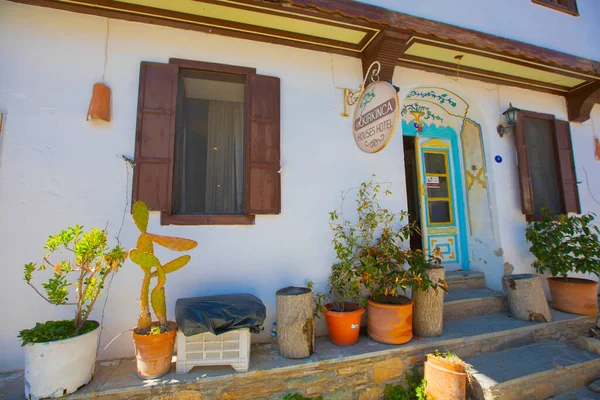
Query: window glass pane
[[209, 144], [439, 211], [441, 191], [542, 167], [435, 163]]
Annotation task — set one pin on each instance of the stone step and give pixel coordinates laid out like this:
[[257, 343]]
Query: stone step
[[581, 394], [465, 279], [466, 303], [536, 371], [361, 371]]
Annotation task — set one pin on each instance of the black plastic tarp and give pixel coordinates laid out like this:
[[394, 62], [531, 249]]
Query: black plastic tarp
[[219, 314]]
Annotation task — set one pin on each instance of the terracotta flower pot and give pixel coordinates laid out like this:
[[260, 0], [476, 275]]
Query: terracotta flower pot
[[344, 326], [445, 379], [153, 353], [390, 323], [574, 295]]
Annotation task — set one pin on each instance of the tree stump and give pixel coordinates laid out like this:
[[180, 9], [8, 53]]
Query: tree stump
[[428, 311], [526, 298], [295, 323]]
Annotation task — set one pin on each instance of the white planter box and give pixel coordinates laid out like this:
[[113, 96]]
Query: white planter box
[[58, 368], [230, 348]]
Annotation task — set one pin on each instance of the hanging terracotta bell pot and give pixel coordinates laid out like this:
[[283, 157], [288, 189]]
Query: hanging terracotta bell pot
[[100, 103]]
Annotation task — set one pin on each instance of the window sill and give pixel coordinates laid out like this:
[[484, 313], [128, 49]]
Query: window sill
[[557, 7], [215, 219]]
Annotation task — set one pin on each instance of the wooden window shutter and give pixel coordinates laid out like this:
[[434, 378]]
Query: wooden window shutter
[[565, 165], [155, 135], [527, 203], [263, 183]]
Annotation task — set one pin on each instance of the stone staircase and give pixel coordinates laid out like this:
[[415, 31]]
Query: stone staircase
[[521, 368], [511, 359]]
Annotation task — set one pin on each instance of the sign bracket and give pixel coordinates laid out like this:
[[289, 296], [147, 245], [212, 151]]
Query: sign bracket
[[351, 96]]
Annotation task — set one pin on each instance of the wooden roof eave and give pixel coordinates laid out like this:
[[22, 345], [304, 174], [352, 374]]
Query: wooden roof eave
[[396, 21]]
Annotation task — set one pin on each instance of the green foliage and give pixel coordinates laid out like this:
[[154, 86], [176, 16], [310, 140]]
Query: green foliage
[[370, 259], [90, 260], [414, 389], [564, 244], [143, 255], [298, 396], [54, 330]]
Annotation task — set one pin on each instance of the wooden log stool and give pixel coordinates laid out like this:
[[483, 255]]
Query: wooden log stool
[[526, 297], [428, 312], [295, 322]]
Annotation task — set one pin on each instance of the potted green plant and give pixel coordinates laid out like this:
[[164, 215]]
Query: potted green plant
[[370, 271], [154, 341], [446, 376], [428, 289], [60, 356], [565, 244]]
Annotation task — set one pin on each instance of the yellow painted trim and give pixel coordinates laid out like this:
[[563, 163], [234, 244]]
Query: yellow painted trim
[[492, 65], [485, 75], [414, 38], [442, 231], [211, 25], [448, 199], [436, 143], [302, 15]]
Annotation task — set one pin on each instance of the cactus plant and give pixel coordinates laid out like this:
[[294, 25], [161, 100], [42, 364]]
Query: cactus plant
[[143, 255]]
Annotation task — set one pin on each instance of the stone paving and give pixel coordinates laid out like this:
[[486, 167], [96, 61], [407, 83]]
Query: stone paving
[[356, 372]]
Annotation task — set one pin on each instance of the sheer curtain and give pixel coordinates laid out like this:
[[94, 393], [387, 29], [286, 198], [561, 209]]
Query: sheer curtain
[[225, 164]]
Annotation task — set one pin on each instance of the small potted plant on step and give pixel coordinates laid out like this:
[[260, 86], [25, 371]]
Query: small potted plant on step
[[564, 244], [154, 341], [60, 356], [446, 376], [370, 269]]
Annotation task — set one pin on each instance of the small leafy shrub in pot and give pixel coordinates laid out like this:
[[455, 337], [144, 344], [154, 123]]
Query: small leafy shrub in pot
[[91, 260], [372, 267], [562, 245], [55, 346]]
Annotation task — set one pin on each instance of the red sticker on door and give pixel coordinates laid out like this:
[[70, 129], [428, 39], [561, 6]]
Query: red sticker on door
[[433, 182]]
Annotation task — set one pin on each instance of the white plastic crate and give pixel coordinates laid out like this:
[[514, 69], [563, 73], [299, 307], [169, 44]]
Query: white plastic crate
[[230, 348]]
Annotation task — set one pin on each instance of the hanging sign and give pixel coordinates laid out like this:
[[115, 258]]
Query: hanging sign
[[375, 117], [433, 182]]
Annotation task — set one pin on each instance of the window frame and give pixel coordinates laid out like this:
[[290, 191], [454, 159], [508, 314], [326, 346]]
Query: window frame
[[573, 10], [166, 217], [560, 179]]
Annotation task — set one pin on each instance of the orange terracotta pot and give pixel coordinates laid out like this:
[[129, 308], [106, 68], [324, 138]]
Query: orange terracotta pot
[[445, 380], [344, 326], [100, 103], [574, 295], [390, 323], [154, 352]]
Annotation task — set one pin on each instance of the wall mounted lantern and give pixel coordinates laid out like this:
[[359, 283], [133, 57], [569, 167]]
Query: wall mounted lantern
[[511, 118]]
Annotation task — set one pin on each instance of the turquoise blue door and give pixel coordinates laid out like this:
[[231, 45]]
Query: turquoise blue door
[[442, 204]]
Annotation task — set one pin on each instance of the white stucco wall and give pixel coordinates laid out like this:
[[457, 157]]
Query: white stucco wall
[[56, 169], [519, 20]]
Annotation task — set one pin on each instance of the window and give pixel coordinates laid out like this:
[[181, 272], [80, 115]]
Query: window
[[567, 6], [546, 165], [207, 143], [438, 194]]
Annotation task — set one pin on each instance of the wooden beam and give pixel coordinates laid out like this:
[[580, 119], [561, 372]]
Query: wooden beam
[[386, 48], [382, 18], [581, 101]]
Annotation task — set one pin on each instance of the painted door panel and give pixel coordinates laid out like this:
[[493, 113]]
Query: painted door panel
[[440, 205]]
